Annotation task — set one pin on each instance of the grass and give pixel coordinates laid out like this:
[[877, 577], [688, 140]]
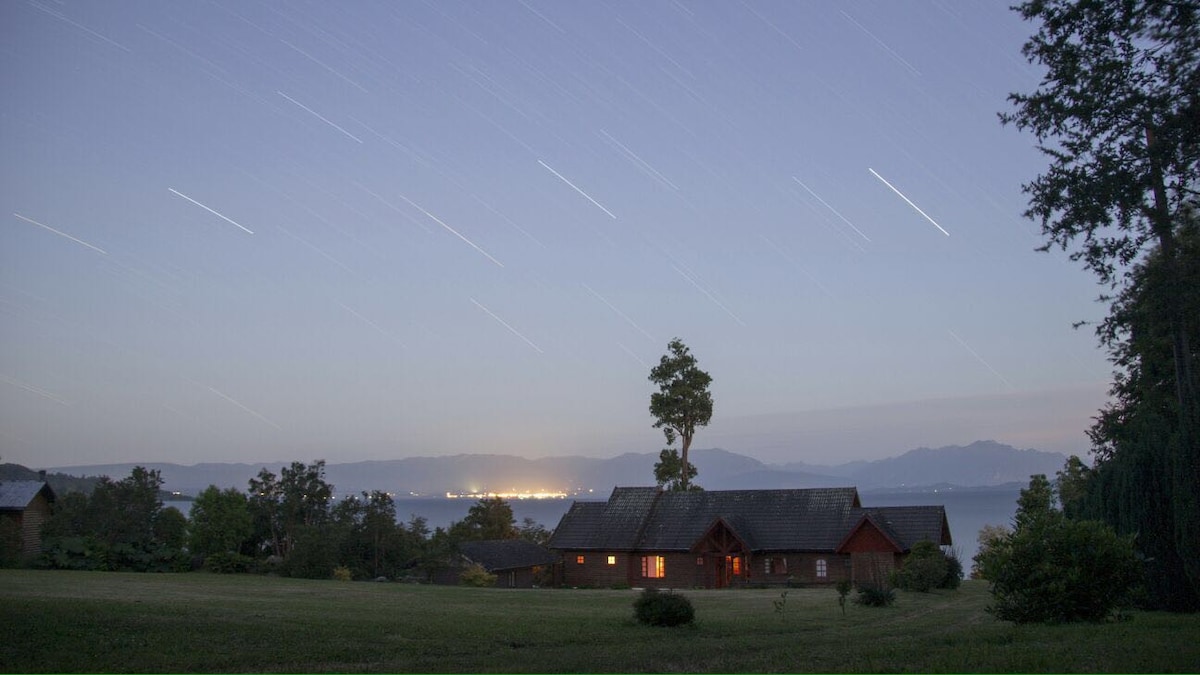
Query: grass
[[57, 621]]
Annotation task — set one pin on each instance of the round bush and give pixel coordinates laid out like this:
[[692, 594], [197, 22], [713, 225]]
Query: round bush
[[663, 609]]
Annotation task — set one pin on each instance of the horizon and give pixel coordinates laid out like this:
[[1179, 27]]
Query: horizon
[[378, 231]]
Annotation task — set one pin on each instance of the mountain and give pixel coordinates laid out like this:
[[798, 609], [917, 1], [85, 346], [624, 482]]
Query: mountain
[[983, 463], [977, 464]]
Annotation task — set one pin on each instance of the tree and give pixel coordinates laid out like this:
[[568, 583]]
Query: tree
[[1052, 569], [532, 530], [1118, 113], [121, 526], [280, 507], [220, 521], [681, 404], [489, 518]]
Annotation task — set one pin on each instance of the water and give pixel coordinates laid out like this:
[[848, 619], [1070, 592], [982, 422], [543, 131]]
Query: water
[[966, 510]]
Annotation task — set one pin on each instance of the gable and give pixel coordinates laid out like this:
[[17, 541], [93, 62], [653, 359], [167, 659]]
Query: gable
[[868, 536]]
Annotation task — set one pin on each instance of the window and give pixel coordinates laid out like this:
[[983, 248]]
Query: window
[[737, 565], [700, 560], [822, 568], [775, 566], [612, 560], [578, 560], [654, 566]]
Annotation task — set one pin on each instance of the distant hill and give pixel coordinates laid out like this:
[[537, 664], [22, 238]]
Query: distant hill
[[983, 463]]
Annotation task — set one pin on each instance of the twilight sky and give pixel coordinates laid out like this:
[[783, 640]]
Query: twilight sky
[[244, 231]]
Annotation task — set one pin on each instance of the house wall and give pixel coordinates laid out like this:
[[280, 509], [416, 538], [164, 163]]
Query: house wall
[[798, 568], [595, 570], [31, 521]]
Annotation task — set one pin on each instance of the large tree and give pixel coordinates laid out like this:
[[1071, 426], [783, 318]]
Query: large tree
[[1118, 114], [489, 518], [220, 521], [681, 404]]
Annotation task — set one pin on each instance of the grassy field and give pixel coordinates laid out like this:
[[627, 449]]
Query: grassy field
[[94, 621]]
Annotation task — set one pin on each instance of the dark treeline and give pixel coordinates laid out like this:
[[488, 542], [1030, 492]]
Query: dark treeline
[[287, 524]]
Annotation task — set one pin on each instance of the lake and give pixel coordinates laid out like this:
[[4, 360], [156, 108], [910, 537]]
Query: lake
[[966, 510]]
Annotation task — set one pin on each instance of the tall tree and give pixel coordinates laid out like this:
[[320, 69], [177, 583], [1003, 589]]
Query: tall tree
[[298, 498], [1118, 113], [220, 521], [681, 404], [489, 518]]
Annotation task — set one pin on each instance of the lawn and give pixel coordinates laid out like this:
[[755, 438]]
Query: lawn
[[56, 621]]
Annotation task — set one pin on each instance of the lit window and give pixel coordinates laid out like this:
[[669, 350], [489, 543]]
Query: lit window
[[578, 560], [654, 566], [822, 570], [737, 565], [612, 560], [700, 560]]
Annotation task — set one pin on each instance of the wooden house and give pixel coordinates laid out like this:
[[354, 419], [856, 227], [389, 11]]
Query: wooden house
[[647, 537], [517, 563], [27, 504]]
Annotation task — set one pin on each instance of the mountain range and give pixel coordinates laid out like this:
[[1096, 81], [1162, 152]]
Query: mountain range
[[978, 465]]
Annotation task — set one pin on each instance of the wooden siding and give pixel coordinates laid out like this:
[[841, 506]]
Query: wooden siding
[[697, 570], [31, 521]]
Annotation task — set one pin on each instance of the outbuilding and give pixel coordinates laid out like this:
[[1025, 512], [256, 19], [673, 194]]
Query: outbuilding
[[27, 504]]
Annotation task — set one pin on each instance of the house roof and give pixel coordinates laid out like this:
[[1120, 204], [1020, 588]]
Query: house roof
[[505, 554], [766, 520], [906, 525], [15, 495]]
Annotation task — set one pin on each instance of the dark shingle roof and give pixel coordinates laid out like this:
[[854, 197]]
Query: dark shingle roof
[[909, 524], [506, 554], [796, 520], [649, 519], [16, 494], [613, 525]]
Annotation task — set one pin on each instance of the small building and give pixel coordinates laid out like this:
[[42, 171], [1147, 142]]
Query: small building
[[647, 537], [517, 563], [27, 503]]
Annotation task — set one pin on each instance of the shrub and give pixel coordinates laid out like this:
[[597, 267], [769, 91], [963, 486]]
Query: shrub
[[1058, 570], [954, 570], [342, 573], [663, 609], [475, 575], [229, 563], [872, 595], [843, 588], [924, 569]]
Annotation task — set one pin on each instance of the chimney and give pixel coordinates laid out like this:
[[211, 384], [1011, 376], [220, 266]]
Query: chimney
[[42, 475]]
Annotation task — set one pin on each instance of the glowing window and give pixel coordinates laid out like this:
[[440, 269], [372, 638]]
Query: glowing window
[[578, 560], [654, 566], [822, 569], [612, 560], [737, 565]]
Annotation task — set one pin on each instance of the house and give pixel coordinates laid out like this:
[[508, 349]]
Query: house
[[517, 563], [27, 504], [647, 537]]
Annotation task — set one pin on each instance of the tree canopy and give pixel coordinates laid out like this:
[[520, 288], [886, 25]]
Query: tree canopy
[[1118, 114], [681, 404]]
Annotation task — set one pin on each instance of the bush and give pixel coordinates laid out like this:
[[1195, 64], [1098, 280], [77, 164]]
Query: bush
[[954, 570], [475, 575], [924, 569], [229, 563], [663, 609], [1057, 570], [342, 573], [871, 595]]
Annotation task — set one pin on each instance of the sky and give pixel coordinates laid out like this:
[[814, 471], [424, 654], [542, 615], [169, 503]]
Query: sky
[[246, 231]]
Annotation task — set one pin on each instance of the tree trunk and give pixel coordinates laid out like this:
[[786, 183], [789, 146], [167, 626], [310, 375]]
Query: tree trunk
[[686, 439]]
